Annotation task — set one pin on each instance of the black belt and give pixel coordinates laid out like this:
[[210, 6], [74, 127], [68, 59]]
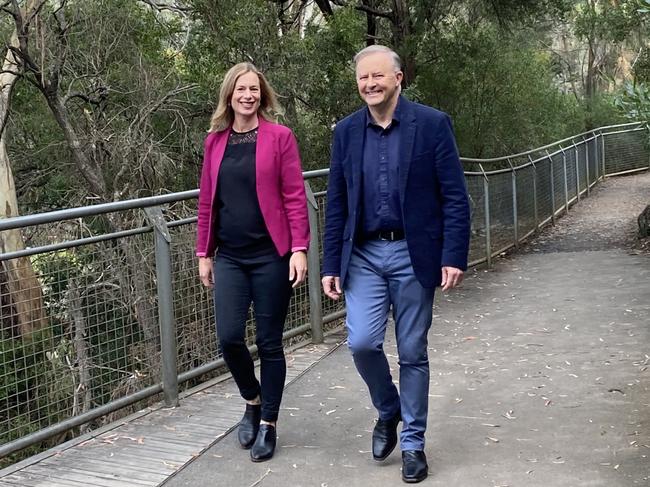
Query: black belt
[[391, 235]]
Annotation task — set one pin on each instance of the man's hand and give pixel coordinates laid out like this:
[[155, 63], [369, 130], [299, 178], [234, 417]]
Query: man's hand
[[332, 287], [451, 277], [297, 268], [205, 271]]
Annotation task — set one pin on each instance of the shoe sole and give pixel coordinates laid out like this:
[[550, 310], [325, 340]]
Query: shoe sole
[[381, 459], [415, 480], [260, 460]]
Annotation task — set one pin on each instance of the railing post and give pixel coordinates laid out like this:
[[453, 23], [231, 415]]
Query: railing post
[[313, 264], [575, 147], [550, 162], [566, 182], [596, 156], [584, 141], [647, 130], [602, 153], [515, 216], [166, 319], [535, 210], [486, 206]]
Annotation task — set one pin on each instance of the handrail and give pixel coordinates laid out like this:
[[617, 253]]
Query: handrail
[[93, 210], [520, 154]]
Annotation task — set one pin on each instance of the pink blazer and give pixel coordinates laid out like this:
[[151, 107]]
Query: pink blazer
[[280, 188]]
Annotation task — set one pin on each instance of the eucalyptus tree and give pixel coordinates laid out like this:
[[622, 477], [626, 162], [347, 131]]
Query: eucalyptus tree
[[25, 295]]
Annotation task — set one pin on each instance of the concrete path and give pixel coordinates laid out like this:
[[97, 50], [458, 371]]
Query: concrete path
[[540, 375]]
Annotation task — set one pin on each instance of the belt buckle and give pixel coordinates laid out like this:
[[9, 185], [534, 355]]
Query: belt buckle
[[387, 236]]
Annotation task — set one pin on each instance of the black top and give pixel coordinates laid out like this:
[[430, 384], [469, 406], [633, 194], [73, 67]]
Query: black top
[[241, 231]]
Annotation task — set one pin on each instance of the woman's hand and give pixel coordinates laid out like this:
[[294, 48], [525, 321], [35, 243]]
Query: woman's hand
[[298, 267], [205, 271]]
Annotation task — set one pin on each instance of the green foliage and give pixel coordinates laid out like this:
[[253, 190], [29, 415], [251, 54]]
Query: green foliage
[[642, 66], [499, 91], [634, 101], [606, 20], [643, 6]]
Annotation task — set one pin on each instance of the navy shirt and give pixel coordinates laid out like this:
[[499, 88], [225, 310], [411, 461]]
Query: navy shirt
[[381, 202]]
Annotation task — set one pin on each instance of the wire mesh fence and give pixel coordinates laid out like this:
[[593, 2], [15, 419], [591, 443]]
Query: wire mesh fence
[[83, 339], [626, 150]]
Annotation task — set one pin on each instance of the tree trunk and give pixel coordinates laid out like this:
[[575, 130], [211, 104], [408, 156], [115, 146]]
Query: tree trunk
[[87, 167], [371, 24], [26, 297], [590, 82], [83, 390], [130, 279], [402, 28]]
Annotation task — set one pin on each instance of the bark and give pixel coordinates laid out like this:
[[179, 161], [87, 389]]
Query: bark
[[325, 8], [90, 171], [25, 295], [402, 29], [371, 24]]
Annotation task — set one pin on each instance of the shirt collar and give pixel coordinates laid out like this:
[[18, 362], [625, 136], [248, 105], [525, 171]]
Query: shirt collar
[[396, 114]]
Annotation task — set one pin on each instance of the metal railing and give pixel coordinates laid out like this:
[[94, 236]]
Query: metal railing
[[104, 309]]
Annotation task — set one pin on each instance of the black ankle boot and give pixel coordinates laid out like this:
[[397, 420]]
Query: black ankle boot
[[264, 445], [249, 425]]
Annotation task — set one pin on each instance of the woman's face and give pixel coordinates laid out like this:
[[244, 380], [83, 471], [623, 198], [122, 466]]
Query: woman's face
[[245, 99]]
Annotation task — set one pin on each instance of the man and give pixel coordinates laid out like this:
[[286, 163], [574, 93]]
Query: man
[[397, 225]]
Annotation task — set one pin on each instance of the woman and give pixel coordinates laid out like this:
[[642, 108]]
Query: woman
[[253, 213]]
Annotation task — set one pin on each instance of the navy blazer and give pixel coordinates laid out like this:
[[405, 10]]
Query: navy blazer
[[433, 196]]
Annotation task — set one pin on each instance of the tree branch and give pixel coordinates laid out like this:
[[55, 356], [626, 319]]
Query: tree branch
[[160, 6], [375, 12], [33, 13], [325, 8], [88, 99]]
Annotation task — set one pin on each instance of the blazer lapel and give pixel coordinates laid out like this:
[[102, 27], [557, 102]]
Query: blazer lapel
[[216, 156], [357, 140], [262, 152], [406, 146]]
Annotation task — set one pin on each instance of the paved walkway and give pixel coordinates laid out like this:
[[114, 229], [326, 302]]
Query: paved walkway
[[540, 375]]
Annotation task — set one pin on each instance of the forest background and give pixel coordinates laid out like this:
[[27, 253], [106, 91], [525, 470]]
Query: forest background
[[110, 99], [107, 100]]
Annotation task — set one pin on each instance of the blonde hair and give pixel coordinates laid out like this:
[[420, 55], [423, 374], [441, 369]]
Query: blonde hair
[[224, 115]]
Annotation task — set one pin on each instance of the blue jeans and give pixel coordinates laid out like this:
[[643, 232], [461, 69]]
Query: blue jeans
[[267, 286], [380, 274]]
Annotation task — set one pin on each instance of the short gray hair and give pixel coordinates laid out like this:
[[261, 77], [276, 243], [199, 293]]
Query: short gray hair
[[397, 62]]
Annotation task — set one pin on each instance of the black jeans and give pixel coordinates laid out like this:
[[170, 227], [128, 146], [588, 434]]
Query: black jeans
[[267, 285]]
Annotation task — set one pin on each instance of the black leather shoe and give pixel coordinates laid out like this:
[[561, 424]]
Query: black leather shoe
[[264, 445], [414, 466], [384, 437], [249, 425]]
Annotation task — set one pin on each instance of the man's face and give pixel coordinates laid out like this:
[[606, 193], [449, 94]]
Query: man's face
[[377, 79]]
